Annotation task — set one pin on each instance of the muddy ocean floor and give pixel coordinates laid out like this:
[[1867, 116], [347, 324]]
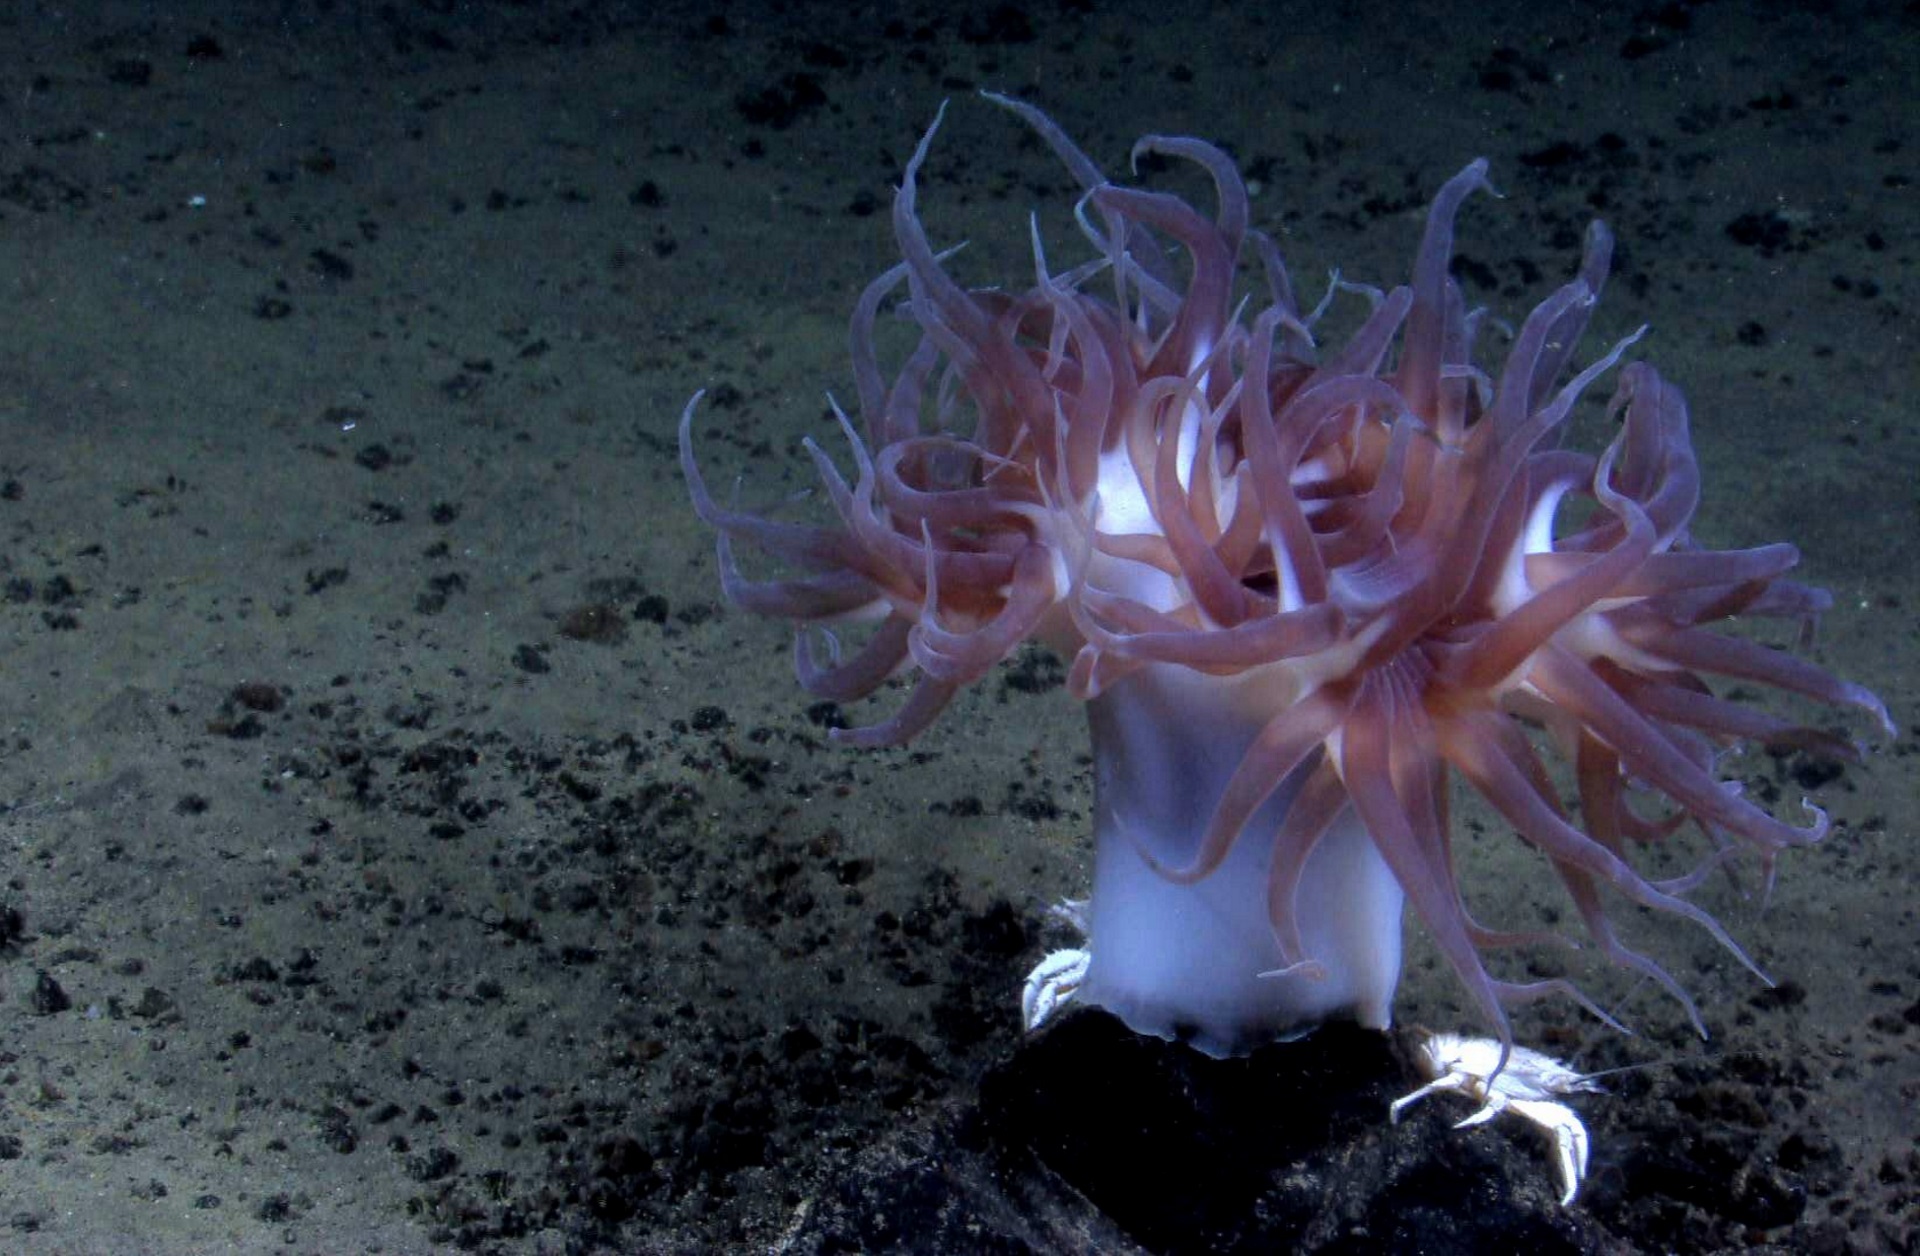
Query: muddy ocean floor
[[401, 846]]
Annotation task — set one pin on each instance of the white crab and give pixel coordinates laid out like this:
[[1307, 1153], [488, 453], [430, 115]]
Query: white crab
[[1056, 979], [1527, 1085]]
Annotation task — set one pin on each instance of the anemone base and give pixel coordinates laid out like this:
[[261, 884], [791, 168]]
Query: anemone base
[[1185, 962]]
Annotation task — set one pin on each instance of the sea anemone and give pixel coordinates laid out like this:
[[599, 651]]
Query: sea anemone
[[1301, 587]]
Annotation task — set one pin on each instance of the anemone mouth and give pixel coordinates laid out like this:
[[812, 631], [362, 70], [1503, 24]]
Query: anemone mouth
[[1384, 541]]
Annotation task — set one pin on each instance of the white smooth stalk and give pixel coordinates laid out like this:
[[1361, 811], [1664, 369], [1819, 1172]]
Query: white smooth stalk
[[1184, 961]]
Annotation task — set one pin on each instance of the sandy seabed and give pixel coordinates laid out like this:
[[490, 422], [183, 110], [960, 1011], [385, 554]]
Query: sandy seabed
[[401, 847]]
